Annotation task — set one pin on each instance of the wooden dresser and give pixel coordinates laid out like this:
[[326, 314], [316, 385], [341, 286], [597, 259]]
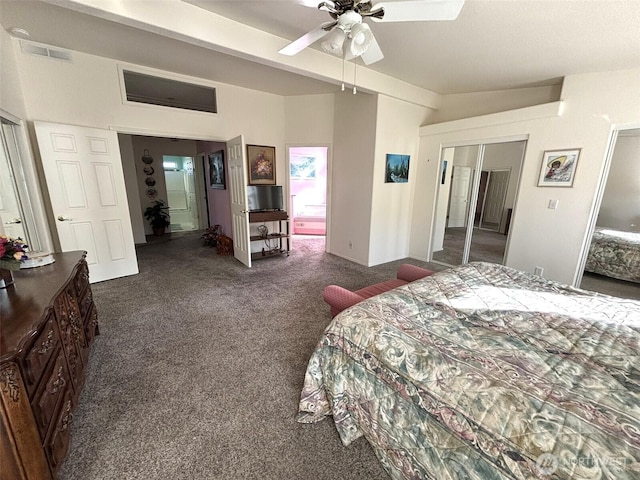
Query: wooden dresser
[[47, 325]]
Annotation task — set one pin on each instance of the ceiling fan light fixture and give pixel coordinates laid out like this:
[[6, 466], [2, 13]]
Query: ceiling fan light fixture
[[361, 37], [334, 41]]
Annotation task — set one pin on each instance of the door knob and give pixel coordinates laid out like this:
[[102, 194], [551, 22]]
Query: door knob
[[64, 219], [15, 220]]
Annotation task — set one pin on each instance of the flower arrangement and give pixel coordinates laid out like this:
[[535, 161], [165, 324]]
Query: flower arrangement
[[263, 166], [12, 252]]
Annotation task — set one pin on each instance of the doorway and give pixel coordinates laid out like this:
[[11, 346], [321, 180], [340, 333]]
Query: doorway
[[181, 192], [475, 202], [307, 170]]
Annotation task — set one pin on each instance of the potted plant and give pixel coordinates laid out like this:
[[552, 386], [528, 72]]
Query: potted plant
[[158, 217]]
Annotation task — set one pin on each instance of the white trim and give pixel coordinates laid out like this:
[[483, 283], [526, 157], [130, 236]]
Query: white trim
[[546, 110], [163, 134], [161, 74]]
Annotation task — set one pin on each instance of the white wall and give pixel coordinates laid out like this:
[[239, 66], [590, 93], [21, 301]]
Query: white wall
[[309, 119], [620, 207], [87, 93], [11, 94], [392, 203], [352, 175], [464, 105], [593, 104]]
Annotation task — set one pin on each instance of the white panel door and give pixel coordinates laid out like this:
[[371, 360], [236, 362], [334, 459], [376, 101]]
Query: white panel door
[[83, 171], [496, 194], [237, 166], [459, 199]]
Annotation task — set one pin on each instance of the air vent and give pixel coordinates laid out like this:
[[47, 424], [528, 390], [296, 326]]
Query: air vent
[[143, 88], [42, 50]]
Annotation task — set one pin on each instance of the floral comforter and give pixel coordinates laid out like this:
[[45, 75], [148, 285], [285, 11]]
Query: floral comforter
[[615, 254], [484, 372]]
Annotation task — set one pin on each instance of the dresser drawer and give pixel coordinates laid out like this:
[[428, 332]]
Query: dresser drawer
[[41, 351], [56, 445], [51, 390], [91, 325]]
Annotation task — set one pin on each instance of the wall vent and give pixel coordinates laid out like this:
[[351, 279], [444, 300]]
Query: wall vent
[[149, 89], [42, 50]]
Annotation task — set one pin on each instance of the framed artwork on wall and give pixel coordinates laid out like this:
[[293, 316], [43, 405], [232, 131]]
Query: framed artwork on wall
[[558, 167], [216, 170], [262, 165], [397, 168]]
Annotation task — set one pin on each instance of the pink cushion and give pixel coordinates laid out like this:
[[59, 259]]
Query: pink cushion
[[411, 273], [379, 288], [340, 298]]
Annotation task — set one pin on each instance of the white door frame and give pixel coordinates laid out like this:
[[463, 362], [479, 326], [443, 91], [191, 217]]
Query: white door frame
[[288, 146]]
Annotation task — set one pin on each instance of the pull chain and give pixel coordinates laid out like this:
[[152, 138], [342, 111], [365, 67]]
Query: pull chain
[[343, 62], [355, 64]]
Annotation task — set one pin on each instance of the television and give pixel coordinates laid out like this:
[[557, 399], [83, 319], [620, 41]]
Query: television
[[264, 198]]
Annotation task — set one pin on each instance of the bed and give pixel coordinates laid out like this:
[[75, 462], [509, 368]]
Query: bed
[[484, 372], [615, 253], [312, 220]]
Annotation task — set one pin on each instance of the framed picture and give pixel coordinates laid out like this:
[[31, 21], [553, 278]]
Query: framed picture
[[216, 170], [302, 167], [262, 165], [558, 168], [397, 168]]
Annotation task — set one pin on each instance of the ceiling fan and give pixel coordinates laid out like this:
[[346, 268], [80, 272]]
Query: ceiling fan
[[348, 27]]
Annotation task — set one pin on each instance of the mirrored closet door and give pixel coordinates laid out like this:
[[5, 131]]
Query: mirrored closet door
[[476, 197]]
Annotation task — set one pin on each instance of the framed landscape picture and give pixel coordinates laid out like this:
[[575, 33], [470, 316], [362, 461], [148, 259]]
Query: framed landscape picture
[[262, 165], [217, 178], [558, 168], [397, 168]]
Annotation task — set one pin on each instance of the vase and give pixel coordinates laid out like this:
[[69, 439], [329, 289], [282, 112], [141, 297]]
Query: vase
[[6, 277]]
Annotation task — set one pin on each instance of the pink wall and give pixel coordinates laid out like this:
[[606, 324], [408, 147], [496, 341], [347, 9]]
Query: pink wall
[[218, 200]]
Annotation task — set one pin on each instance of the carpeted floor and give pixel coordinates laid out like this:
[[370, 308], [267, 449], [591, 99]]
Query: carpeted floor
[[200, 362], [486, 246]]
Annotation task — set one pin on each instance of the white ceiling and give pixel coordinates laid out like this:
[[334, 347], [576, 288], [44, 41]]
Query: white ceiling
[[493, 45]]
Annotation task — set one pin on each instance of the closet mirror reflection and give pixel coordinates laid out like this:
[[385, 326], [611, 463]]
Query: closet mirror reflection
[[16, 214], [475, 202], [10, 207]]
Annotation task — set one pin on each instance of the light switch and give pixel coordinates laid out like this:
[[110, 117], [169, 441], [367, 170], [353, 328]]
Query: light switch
[[553, 204]]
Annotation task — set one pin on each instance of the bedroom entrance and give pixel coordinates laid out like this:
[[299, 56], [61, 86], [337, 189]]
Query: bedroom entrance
[[307, 168], [475, 202]]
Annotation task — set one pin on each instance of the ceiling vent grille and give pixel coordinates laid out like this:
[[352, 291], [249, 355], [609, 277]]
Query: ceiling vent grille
[[166, 92], [42, 50]]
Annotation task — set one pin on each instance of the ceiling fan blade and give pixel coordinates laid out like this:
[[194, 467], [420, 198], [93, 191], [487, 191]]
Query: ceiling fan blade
[[373, 54], [419, 10], [306, 40]]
